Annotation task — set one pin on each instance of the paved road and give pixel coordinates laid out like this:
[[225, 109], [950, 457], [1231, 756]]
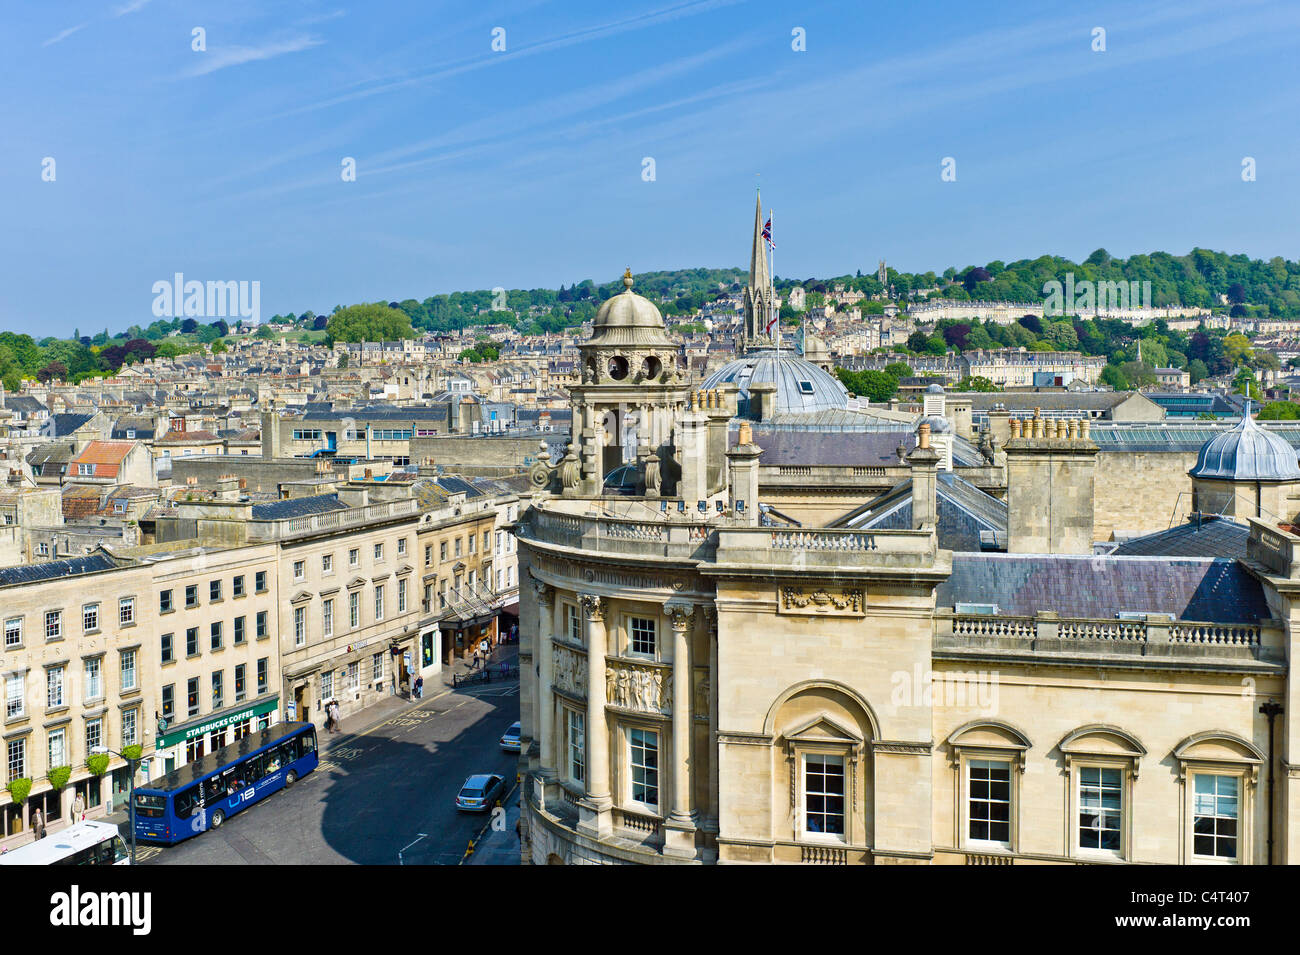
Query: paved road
[[375, 794]]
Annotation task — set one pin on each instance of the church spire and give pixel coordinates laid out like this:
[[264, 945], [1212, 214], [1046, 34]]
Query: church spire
[[758, 293], [758, 277]]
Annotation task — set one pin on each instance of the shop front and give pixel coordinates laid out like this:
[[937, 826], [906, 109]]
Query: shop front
[[177, 745]]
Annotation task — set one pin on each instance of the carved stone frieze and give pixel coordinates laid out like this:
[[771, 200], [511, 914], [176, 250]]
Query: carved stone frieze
[[823, 601], [569, 672], [642, 688]]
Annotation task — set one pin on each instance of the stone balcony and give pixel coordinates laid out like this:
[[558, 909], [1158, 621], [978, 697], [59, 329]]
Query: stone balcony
[[634, 529], [313, 524]]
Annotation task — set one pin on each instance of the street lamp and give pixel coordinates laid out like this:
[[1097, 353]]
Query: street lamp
[[130, 799]]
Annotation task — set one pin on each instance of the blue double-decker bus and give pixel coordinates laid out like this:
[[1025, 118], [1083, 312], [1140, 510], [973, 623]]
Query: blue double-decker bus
[[205, 793]]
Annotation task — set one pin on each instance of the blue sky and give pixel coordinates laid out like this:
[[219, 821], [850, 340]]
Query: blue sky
[[523, 168]]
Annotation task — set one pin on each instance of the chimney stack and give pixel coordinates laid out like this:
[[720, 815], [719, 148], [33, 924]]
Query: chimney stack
[[742, 471], [1051, 475], [924, 461]]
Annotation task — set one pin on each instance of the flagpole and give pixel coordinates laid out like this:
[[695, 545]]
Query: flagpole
[[771, 276]]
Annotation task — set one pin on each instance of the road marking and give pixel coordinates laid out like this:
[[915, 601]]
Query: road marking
[[407, 846]]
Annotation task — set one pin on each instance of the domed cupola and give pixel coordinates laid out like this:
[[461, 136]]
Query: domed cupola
[[625, 404], [1246, 472], [629, 320], [1247, 453]]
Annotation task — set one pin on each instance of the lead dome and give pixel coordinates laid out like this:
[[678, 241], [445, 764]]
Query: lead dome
[[1247, 453]]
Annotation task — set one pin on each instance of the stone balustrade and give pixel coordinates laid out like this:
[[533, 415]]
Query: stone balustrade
[[992, 626], [1212, 633], [331, 520], [1157, 634], [1276, 550], [688, 538]]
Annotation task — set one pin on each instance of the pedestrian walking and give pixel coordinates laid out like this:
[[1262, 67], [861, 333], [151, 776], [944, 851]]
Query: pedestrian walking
[[79, 809], [38, 824], [419, 687]]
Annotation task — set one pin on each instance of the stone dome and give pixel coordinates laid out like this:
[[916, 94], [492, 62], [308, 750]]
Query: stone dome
[[935, 389], [1247, 453], [628, 319], [938, 424], [800, 385]]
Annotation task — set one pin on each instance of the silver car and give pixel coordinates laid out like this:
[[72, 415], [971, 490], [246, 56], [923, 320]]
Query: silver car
[[510, 741], [480, 793]]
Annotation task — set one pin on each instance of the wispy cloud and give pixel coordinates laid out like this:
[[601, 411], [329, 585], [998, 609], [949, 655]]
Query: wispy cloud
[[320, 18], [59, 37], [403, 81], [131, 6], [237, 55]]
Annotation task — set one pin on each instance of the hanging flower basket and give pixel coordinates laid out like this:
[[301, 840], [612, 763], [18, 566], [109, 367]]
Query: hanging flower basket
[[19, 790], [97, 763], [59, 776]]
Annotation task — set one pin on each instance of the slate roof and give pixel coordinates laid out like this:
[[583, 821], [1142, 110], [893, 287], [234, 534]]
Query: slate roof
[[298, 507], [964, 512], [456, 485], [55, 568], [381, 413], [1216, 590], [875, 448], [68, 423], [24, 403], [57, 452], [1208, 537]]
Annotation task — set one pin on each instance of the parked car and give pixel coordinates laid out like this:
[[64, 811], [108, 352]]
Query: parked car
[[480, 793], [510, 741]]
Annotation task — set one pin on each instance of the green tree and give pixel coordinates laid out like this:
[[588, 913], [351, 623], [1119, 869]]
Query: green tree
[[898, 370], [874, 385], [1061, 336], [369, 323], [1196, 370], [1111, 375], [1280, 411], [976, 383], [1138, 373]]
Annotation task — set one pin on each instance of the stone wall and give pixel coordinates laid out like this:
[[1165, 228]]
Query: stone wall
[[1140, 492]]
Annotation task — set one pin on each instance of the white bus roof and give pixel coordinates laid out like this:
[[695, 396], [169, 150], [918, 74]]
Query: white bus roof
[[61, 844]]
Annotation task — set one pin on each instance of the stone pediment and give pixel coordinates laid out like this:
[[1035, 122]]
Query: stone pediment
[[1101, 740], [1219, 748], [989, 734], [356, 582], [822, 729], [300, 597]]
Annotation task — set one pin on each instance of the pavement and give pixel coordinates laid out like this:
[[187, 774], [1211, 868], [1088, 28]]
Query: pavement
[[498, 844], [384, 786]]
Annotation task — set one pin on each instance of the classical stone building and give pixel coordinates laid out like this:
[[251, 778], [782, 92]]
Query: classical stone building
[[705, 682]]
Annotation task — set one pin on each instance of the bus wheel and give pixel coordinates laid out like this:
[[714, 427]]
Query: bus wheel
[[290, 778], [218, 818]]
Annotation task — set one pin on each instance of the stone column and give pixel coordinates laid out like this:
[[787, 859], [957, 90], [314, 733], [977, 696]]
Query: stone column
[[594, 817], [541, 639], [544, 655], [711, 621], [679, 829]]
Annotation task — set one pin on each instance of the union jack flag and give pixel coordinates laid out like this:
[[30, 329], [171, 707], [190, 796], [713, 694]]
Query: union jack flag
[[767, 232]]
